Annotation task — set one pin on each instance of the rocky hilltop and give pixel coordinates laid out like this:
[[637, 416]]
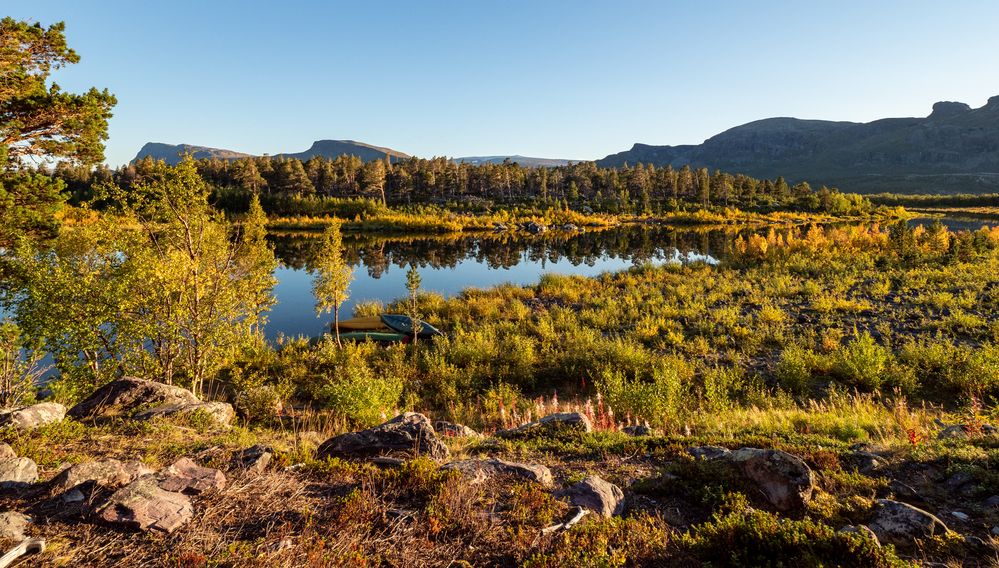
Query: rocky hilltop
[[172, 153], [954, 148]]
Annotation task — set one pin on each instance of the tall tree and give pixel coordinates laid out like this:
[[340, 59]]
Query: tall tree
[[200, 289], [38, 119], [333, 275], [256, 264], [413, 283], [373, 178], [247, 175]]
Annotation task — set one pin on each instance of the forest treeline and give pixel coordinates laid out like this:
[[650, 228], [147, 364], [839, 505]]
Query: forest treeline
[[288, 186]]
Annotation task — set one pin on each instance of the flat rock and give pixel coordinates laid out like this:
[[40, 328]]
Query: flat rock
[[552, 424], [7, 452], [595, 494], [785, 480], [482, 470], [17, 472], [144, 505], [31, 417], [185, 476], [107, 473], [900, 524], [13, 525], [409, 434], [222, 413], [128, 395]]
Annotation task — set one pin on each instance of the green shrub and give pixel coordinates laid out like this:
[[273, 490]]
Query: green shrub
[[348, 385], [260, 403], [657, 398], [720, 385], [794, 369], [982, 377], [758, 538], [862, 363]]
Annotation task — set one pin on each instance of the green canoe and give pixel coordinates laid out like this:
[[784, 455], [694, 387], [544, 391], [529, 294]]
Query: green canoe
[[385, 328]]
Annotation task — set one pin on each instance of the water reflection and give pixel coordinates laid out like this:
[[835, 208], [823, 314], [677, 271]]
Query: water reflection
[[449, 264]]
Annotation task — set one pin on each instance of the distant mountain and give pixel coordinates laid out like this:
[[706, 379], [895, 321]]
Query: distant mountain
[[172, 153], [334, 148], [954, 149], [525, 161]]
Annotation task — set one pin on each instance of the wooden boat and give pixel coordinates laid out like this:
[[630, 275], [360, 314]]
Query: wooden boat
[[385, 328]]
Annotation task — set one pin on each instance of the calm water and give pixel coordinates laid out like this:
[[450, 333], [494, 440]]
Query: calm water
[[448, 265], [958, 222]]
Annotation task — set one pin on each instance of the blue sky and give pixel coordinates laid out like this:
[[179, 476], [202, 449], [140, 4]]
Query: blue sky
[[566, 79]]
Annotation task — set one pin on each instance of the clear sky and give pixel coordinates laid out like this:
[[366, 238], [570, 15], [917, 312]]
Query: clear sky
[[563, 79]]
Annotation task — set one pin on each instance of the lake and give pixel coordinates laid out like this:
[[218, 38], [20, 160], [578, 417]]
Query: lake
[[450, 264]]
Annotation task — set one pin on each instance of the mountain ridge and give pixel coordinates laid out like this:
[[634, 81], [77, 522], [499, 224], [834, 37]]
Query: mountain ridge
[[954, 148], [172, 153]]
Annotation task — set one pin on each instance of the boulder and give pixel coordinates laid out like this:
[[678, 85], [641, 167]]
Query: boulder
[[785, 480], [552, 424], [254, 459], [708, 452], [452, 430], [185, 476], [638, 430], [31, 417], [13, 525], [595, 494], [902, 490], [144, 505], [128, 395], [862, 530], [481, 470], [535, 228], [867, 462], [7, 452], [17, 472], [954, 432], [222, 413], [107, 473], [959, 481], [900, 524], [409, 434]]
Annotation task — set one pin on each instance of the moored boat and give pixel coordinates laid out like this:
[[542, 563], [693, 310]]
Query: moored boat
[[385, 328]]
